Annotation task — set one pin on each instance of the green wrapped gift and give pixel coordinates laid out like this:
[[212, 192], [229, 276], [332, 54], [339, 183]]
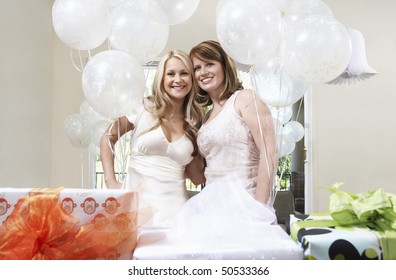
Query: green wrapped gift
[[367, 204], [389, 215], [317, 233], [340, 206], [365, 208]]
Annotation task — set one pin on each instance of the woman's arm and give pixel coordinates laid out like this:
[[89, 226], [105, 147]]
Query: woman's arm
[[258, 118], [107, 142], [195, 170]]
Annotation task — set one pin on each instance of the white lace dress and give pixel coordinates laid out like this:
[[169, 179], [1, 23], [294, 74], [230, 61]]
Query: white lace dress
[[223, 221]]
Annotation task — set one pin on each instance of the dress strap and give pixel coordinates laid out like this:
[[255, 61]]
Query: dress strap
[[234, 96]]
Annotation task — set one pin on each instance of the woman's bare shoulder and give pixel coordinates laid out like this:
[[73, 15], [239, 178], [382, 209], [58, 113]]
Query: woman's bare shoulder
[[244, 97]]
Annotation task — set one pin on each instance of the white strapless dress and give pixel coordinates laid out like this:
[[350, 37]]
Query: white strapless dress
[[157, 171], [223, 221]]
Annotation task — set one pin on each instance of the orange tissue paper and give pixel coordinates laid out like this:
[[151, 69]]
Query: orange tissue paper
[[67, 224]]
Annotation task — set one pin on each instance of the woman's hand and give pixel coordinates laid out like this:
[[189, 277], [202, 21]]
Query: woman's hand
[[195, 170], [113, 184]]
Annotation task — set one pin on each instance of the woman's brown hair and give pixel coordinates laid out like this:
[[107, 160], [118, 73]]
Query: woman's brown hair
[[212, 50]]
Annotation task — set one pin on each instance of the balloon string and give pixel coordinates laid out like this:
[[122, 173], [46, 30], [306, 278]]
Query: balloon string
[[119, 161], [281, 64], [263, 142], [283, 167], [146, 7], [282, 34], [74, 63], [81, 62], [109, 134], [281, 67], [108, 45], [280, 93], [122, 158], [147, 73], [124, 152], [82, 169]]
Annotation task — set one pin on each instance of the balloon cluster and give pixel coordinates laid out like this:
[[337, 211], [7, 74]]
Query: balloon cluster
[[288, 45], [85, 127], [303, 35], [113, 80]]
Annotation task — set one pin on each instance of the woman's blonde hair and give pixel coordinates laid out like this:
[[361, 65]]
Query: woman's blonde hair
[[212, 50], [160, 101]]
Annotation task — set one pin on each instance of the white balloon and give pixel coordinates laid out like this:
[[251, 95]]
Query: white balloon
[[96, 131], [170, 11], [136, 33], [316, 49], [113, 82], [113, 3], [293, 131], [285, 147], [89, 114], [275, 87], [219, 6], [283, 114], [249, 31], [81, 25], [319, 8], [292, 7], [278, 126], [76, 129]]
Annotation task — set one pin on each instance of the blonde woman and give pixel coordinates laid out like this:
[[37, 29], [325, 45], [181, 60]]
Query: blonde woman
[[163, 151]]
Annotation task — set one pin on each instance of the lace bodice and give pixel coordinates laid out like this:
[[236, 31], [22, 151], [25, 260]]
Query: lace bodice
[[228, 147]]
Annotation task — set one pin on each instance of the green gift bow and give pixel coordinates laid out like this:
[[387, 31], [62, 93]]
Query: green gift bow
[[374, 208]]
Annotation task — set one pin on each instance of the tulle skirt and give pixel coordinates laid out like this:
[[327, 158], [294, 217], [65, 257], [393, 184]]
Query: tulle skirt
[[223, 221]]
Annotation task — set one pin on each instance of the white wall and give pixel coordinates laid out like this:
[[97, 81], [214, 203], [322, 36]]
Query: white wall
[[26, 65], [353, 126], [69, 163]]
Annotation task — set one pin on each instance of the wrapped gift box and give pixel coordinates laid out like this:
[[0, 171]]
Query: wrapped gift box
[[323, 238], [65, 223]]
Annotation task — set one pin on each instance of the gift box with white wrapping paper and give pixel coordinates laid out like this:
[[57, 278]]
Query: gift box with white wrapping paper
[[66, 223]]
